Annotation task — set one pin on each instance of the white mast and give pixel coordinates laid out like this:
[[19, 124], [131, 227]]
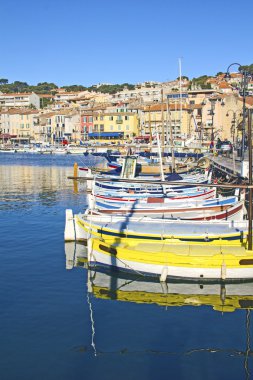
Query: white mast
[[180, 91]]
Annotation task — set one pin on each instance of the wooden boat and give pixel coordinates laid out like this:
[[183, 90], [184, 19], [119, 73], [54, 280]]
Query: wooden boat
[[121, 228], [194, 193], [202, 210], [59, 151], [149, 187], [157, 203], [194, 262]]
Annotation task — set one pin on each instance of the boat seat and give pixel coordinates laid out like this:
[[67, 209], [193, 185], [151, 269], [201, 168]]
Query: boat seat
[[187, 249]]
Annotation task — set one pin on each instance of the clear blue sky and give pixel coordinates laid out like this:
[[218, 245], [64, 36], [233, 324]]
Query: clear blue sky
[[87, 42]]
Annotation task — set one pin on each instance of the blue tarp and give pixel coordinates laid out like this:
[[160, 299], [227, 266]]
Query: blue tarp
[[106, 134]]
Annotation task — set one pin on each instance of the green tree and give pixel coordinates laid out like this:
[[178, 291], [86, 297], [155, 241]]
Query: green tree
[[248, 68], [111, 88], [183, 77], [75, 88], [3, 81]]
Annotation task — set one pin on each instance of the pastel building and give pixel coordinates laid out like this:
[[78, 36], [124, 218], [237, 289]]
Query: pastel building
[[19, 100], [59, 125], [19, 124], [114, 125]]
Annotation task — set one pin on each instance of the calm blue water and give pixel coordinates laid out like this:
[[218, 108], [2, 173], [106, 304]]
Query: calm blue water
[[52, 328]]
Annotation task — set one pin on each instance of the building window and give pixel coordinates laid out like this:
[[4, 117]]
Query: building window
[[110, 117], [111, 127], [90, 119], [102, 128], [101, 117], [126, 117], [119, 127], [84, 119], [127, 127]]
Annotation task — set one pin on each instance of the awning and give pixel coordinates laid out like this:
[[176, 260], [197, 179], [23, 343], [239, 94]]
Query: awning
[[106, 134], [6, 136], [145, 137]]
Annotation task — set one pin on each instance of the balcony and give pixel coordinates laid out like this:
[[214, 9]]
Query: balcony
[[119, 121]]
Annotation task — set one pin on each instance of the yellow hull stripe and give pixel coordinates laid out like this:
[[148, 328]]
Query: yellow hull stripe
[[187, 256]]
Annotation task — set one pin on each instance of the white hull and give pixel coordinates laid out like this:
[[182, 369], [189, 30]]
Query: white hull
[[96, 258]]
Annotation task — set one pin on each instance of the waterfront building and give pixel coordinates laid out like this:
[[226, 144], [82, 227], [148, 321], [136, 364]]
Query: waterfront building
[[19, 100], [170, 115], [86, 124], [113, 126], [19, 124], [59, 125]]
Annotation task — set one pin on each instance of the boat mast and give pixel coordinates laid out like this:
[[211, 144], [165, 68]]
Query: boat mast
[[160, 156], [180, 91], [162, 119], [149, 124]]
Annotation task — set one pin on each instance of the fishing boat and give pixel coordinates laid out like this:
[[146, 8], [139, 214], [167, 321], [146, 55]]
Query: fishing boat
[[225, 212], [177, 194], [152, 203], [194, 262], [81, 227], [75, 149], [122, 186], [58, 150]]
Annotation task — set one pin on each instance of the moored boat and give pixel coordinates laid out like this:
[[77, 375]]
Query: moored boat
[[157, 259], [120, 228]]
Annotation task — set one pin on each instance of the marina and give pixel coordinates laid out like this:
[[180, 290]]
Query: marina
[[61, 315], [126, 202]]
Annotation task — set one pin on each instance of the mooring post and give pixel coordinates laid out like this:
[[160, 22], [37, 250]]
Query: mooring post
[[75, 169]]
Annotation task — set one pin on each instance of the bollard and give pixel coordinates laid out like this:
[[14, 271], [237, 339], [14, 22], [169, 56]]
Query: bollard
[[75, 169]]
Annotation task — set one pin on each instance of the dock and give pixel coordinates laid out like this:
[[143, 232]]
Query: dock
[[231, 166]]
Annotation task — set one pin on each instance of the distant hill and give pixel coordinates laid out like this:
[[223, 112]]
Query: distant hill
[[46, 88]]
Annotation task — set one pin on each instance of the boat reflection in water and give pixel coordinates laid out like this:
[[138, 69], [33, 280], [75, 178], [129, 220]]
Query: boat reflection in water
[[76, 255], [224, 298], [141, 289], [150, 332]]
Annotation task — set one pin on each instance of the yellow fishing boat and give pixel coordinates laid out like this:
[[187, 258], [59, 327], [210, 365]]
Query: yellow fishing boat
[[193, 261]]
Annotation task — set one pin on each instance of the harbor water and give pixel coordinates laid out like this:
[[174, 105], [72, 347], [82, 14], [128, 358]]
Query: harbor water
[[60, 321]]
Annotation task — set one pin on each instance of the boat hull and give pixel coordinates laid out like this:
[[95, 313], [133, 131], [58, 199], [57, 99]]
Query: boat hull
[[230, 264]]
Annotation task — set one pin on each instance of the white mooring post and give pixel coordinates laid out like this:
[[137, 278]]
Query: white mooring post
[[69, 232]]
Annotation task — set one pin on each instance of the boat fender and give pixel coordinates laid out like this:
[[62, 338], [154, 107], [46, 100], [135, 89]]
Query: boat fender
[[164, 274], [237, 193], [223, 271]]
